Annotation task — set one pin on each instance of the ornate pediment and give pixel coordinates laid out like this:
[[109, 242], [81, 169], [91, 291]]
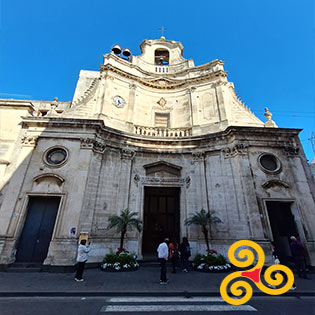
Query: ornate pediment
[[275, 183], [162, 169]]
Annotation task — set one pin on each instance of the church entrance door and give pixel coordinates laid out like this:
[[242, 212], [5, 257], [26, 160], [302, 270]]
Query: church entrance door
[[38, 229], [283, 226], [161, 217]]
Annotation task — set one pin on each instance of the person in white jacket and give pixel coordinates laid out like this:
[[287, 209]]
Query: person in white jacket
[[82, 258], [163, 256]]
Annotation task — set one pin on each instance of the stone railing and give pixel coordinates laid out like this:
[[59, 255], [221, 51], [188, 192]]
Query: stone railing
[[161, 69], [163, 132]]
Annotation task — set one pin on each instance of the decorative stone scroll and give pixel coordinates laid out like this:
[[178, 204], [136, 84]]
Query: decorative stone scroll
[[198, 156], [162, 180], [188, 181], [96, 146], [235, 150], [29, 141], [136, 179], [291, 149], [127, 154]]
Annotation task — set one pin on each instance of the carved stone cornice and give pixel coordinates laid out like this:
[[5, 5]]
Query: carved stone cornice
[[29, 141], [127, 154], [95, 145], [162, 83], [235, 150]]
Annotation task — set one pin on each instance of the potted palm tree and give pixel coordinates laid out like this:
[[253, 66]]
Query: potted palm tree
[[122, 260], [204, 219], [212, 261], [126, 220]]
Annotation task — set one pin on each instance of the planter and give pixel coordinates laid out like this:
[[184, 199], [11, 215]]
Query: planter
[[118, 268], [206, 268]]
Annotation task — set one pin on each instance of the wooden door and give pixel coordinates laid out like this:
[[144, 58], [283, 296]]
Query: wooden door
[[38, 229]]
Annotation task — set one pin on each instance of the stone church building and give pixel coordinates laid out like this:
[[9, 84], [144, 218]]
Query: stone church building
[[158, 135]]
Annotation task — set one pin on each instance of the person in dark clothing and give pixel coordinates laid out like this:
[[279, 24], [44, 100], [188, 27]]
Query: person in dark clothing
[[173, 249], [185, 253], [298, 253], [276, 261]]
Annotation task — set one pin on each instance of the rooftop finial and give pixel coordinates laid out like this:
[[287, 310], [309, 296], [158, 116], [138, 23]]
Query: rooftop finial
[[162, 29]]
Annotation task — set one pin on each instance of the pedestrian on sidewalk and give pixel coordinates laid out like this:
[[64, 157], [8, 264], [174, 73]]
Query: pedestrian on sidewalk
[[185, 253], [173, 249], [276, 261], [298, 252], [82, 258], [162, 257]]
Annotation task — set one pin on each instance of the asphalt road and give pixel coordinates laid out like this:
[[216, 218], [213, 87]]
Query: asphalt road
[[153, 305]]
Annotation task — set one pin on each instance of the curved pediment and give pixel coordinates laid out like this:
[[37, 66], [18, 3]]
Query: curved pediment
[[275, 183]]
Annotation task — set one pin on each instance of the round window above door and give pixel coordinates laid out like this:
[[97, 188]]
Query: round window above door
[[56, 156], [269, 163]]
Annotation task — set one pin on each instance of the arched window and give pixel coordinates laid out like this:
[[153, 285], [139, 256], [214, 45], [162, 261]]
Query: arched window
[[162, 57]]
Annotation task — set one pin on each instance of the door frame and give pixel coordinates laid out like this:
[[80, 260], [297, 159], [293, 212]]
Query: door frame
[[182, 208], [24, 213], [178, 195], [294, 211]]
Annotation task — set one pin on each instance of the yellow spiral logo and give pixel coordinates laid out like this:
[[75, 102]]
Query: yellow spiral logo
[[242, 254]]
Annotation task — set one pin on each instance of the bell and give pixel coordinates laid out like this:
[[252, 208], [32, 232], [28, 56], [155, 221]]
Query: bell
[[127, 52], [116, 49]]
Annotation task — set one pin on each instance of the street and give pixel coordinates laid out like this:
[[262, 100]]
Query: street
[[153, 305]]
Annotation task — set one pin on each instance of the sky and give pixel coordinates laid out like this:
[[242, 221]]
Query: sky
[[267, 47]]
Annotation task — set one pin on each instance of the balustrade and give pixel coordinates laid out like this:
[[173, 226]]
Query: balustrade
[[163, 132]]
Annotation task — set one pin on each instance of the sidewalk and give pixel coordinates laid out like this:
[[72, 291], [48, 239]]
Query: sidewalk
[[145, 281]]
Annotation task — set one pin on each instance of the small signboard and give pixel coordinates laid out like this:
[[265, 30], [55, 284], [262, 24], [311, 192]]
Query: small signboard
[[83, 236]]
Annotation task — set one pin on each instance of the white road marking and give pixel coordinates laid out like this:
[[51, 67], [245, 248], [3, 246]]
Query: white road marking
[[176, 308], [165, 299]]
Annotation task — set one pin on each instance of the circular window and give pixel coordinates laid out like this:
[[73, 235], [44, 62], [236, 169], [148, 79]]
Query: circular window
[[269, 163], [56, 156]]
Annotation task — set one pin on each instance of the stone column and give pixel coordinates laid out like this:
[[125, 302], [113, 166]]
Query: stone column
[[123, 194], [247, 194], [90, 196], [132, 100]]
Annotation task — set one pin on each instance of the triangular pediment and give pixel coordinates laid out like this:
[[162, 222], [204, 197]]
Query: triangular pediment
[[162, 169]]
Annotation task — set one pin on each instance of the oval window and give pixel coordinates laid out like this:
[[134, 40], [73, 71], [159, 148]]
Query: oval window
[[56, 156], [269, 162]]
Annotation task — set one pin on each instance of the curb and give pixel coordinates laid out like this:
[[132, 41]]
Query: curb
[[136, 294]]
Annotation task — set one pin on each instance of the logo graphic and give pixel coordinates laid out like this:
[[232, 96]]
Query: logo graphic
[[244, 258]]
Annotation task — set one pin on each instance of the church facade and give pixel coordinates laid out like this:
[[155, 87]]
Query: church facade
[[157, 135]]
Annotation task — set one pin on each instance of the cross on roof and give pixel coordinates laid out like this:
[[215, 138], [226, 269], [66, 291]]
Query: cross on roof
[[162, 29]]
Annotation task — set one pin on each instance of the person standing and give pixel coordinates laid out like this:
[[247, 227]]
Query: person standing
[[82, 258], [173, 254], [298, 253], [163, 256], [185, 253]]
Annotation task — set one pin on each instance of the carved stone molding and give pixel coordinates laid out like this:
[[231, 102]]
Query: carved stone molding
[[198, 156], [136, 179], [127, 154], [275, 183], [96, 146], [291, 149], [235, 150], [188, 181], [162, 102], [29, 141], [132, 86], [162, 180]]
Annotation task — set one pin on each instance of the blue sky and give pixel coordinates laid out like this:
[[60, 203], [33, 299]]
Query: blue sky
[[268, 47]]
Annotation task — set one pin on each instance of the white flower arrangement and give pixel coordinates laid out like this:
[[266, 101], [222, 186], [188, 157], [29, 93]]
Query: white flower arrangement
[[200, 267], [126, 266]]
